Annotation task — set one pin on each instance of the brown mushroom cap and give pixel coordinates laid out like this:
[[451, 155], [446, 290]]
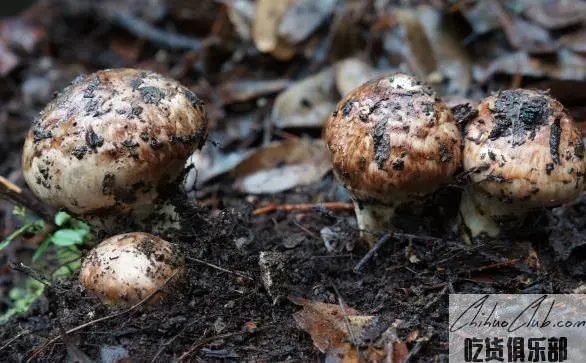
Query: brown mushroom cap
[[524, 147], [110, 138], [126, 268], [392, 135]]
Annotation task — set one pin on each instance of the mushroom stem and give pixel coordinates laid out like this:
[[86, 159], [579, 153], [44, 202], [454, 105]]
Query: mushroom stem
[[479, 214], [373, 218]]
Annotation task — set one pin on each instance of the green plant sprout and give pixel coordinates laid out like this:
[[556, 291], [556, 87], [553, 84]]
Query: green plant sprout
[[69, 235]]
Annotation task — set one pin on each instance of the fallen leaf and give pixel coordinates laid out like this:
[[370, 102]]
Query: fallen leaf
[[241, 14], [338, 332], [480, 17], [575, 41], [453, 60], [8, 60], [324, 322], [306, 103], [267, 17], [210, 163], [566, 66], [281, 166], [555, 14], [351, 73], [244, 90], [303, 18], [20, 34], [409, 41]]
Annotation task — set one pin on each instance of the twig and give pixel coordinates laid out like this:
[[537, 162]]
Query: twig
[[201, 342], [14, 194], [99, 320], [346, 320], [30, 272], [417, 347], [24, 332], [494, 266], [382, 240], [142, 29], [221, 268], [166, 344], [301, 207], [436, 298]]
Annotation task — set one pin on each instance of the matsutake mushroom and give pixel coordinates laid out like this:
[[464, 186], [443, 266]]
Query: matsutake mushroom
[[391, 140], [110, 144]]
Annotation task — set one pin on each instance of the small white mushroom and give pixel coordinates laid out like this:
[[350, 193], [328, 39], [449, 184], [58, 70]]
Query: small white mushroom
[[522, 151], [391, 140], [107, 146], [126, 268]]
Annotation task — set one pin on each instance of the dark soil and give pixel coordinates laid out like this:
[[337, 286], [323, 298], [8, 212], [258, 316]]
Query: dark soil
[[226, 313], [210, 316]]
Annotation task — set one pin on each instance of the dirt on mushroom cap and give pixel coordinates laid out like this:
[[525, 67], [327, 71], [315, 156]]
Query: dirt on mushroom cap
[[110, 138], [392, 134], [525, 147]]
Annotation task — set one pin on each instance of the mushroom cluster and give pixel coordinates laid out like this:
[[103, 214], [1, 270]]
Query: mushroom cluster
[[522, 151], [125, 269], [109, 144], [391, 140]]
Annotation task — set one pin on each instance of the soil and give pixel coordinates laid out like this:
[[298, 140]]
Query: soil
[[210, 317], [223, 311]]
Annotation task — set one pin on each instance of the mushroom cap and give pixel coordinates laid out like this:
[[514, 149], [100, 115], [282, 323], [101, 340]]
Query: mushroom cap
[[106, 142], [391, 138], [523, 147], [126, 268]]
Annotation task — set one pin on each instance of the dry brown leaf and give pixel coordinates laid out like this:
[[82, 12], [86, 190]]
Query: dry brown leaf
[[306, 103], [281, 166], [334, 331], [267, 17], [324, 322]]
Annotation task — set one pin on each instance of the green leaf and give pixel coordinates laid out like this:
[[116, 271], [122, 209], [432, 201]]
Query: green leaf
[[61, 218], [42, 248], [68, 237]]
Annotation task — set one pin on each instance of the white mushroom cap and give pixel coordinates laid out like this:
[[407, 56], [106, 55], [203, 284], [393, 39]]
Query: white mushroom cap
[[525, 149], [126, 268], [104, 144]]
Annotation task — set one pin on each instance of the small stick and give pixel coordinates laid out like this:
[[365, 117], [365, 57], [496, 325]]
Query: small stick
[[30, 272], [14, 194], [382, 240], [166, 344], [220, 268], [494, 266], [201, 342], [346, 320], [99, 320], [142, 29], [301, 207], [24, 332]]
